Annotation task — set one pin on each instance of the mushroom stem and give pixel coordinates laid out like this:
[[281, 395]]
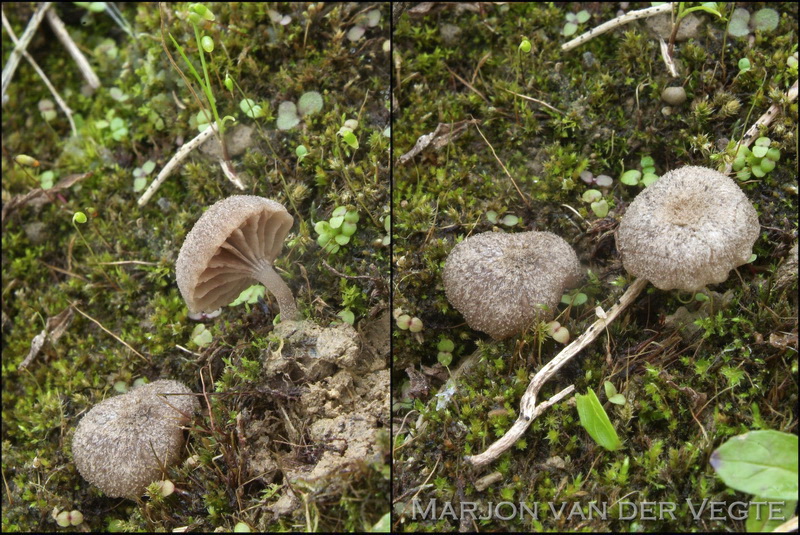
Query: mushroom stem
[[278, 287], [529, 411]]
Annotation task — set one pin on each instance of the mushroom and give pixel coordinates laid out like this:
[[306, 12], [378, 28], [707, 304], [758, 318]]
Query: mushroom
[[502, 283], [232, 246], [686, 230], [122, 443]]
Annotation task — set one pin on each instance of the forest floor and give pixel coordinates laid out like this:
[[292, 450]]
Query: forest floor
[[274, 448], [508, 134]]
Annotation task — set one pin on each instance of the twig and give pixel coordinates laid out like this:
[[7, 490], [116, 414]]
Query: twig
[[667, 57], [529, 411], [13, 59], [763, 121], [63, 105], [349, 277], [182, 153], [613, 23], [77, 56], [117, 338], [526, 97], [504, 167]]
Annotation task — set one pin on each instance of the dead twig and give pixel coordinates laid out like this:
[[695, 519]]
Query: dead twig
[[77, 56], [117, 338], [614, 23], [537, 101], [20, 46], [529, 410], [504, 167], [61, 104], [179, 156]]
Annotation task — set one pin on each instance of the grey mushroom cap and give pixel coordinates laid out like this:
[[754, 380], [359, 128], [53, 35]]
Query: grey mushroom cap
[[121, 444], [502, 283], [688, 230], [231, 247]]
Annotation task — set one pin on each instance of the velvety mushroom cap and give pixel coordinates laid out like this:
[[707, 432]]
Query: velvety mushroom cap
[[231, 247], [502, 283], [122, 442], [687, 230]]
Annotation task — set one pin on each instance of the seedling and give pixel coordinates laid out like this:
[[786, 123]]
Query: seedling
[[573, 20], [595, 420], [645, 177], [337, 232], [199, 15], [445, 347], [756, 162], [742, 24], [140, 175], [612, 394]]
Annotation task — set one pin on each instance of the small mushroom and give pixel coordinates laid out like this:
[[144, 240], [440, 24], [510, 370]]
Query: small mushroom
[[122, 443], [502, 283], [687, 230], [232, 246]]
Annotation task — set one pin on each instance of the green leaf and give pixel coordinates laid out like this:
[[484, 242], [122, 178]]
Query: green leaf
[[351, 139], [591, 195], [582, 16], [760, 151], [341, 239], [569, 29], [617, 399], [595, 420], [445, 358], [744, 65], [610, 389], [763, 463], [447, 345], [201, 336], [347, 316], [600, 208], [758, 516], [250, 295], [647, 161], [309, 103], [766, 19], [525, 46], [631, 177]]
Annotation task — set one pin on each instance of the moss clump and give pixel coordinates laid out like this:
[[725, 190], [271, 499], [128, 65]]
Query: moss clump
[[604, 112]]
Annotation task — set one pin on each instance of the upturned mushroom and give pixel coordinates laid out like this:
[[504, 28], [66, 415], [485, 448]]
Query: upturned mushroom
[[688, 229], [502, 283], [231, 247], [123, 442]]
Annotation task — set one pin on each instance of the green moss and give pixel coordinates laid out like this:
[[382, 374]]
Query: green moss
[[129, 288], [684, 397]]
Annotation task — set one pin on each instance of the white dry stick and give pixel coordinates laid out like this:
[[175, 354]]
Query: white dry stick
[[668, 61], [613, 23], [27, 35], [764, 121], [83, 64], [63, 105], [182, 153], [529, 411]]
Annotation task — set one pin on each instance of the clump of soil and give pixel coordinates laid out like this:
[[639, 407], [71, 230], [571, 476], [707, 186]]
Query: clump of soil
[[342, 412]]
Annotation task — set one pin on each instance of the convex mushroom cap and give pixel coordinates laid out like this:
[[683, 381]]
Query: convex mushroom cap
[[502, 283], [231, 247], [687, 230], [121, 444]]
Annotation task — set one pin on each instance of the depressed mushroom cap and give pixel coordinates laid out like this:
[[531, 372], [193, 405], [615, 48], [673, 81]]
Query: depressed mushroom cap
[[229, 242], [687, 230], [114, 444], [502, 283]]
